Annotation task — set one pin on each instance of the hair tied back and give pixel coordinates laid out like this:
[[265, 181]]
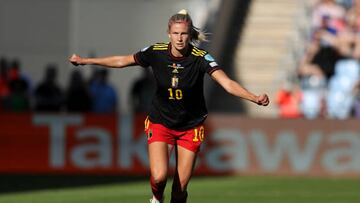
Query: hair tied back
[[183, 12]]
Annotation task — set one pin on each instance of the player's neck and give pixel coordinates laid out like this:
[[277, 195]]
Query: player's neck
[[179, 53]]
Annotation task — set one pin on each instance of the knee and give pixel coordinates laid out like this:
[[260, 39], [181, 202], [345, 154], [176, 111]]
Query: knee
[[159, 178]]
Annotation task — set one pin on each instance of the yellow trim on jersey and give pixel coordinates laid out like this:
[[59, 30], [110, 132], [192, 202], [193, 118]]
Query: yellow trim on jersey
[[160, 46], [198, 52], [197, 49], [195, 54]]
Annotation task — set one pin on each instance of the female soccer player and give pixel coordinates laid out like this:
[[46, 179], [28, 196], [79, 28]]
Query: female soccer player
[[178, 109]]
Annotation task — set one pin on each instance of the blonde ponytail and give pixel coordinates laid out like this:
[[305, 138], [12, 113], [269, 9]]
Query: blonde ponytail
[[198, 36]]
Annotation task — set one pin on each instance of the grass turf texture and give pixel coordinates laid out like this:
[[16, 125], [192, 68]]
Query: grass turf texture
[[205, 189]]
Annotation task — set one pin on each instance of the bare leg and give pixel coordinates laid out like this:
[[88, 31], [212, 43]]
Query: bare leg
[[185, 160], [159, 163]]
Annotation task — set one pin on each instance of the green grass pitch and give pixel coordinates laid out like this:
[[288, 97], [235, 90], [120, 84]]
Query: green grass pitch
[[206, 190]]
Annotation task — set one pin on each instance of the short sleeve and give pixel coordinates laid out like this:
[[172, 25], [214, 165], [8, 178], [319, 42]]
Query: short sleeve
[[144, 57], [209, 64]]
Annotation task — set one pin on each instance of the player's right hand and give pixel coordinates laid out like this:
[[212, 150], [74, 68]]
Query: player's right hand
[[263, 100], [75, 60]]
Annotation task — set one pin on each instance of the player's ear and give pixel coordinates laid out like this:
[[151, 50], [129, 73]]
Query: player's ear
[[168, 32]]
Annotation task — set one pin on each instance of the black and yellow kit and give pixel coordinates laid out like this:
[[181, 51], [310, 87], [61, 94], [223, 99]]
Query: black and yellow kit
[[179, 101]]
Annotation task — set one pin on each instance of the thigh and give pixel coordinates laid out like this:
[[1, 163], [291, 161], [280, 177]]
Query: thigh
[[185, 164], [159, 158]]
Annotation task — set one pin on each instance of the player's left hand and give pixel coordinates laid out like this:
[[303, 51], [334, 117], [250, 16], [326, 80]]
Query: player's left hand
[[75, 60], [262, 100]]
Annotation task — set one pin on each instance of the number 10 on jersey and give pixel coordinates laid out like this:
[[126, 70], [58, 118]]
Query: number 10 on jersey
[[175, 94]]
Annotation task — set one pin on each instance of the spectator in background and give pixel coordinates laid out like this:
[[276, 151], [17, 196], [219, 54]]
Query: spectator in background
[[4, 84], [324, 51], [327, 21], [16, 68], [142, 92], [330, 67], [77, 97], [288, 100], [48, 94], [313, 78], [103, 95], [19, 99]]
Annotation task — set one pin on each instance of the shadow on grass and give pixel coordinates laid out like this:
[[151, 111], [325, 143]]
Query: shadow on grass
[[21, 183]]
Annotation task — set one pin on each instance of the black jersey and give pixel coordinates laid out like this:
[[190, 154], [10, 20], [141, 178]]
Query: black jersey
[[179, 101]]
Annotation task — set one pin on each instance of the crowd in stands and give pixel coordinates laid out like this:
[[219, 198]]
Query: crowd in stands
[[328, 72], [96, 94], [18, 94]]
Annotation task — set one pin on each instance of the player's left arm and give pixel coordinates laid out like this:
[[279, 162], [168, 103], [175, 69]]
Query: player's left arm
[[236, 89]]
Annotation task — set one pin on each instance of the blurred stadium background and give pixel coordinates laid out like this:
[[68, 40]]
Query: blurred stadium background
[[303, 147]]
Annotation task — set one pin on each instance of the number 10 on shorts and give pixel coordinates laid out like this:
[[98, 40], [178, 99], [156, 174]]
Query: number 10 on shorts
[[199, 134]]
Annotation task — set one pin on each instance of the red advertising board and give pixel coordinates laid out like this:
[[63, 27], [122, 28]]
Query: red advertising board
[[116, 145]]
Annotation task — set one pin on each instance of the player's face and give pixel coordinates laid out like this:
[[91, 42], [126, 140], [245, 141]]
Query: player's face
[[179, 36]]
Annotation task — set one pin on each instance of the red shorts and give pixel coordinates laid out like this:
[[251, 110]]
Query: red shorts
[[189, 139]]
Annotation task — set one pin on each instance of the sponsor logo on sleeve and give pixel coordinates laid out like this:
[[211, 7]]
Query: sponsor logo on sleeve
[[213, 64], [208, 57]]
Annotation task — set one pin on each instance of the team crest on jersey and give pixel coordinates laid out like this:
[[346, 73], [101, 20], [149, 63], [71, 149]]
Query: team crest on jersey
[[208, 57], [175, 67], [174, 82]]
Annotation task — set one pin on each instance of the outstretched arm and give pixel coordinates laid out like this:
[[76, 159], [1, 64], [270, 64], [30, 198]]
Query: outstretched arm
[[236, 89], [111, 61]]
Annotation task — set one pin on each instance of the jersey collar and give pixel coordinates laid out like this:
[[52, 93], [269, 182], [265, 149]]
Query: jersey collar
[[182, 57]]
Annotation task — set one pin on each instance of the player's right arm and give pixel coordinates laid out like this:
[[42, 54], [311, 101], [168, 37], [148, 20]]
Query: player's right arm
[[110, 61]]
